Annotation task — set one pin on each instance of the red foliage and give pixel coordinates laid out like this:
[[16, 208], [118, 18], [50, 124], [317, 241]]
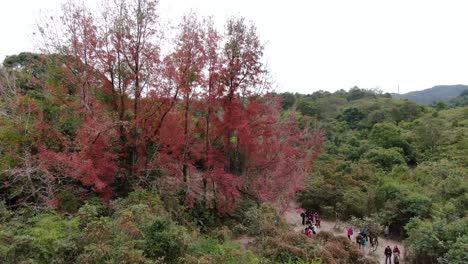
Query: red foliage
[[203, 115], [89, 158]]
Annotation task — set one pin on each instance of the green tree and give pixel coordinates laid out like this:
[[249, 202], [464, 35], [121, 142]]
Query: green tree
[[387, 135], [428, 134], [162, 240], [288, 100], [352, 116], [307, 108], [458, 252], [424, 240], [385, 158]]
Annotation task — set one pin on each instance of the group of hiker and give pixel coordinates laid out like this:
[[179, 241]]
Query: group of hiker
[[312, 221], [362, 239], [388, 255]]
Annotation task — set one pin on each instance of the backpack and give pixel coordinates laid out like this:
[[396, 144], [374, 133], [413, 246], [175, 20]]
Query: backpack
[[359, 239]]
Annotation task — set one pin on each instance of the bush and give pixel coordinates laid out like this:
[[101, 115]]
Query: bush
[[385, 158], [211, 250], [437, 240], [289, 246], [162, 239], [45, 238], [263, 220], [424, 240], [458, 252]]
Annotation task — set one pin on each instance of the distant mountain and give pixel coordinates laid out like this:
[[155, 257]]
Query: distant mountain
[[459, 101], [438, 93]]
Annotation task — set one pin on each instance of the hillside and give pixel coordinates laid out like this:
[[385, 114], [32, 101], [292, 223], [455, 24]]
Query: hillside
[[391, 162], [117, 147], [437, 93]]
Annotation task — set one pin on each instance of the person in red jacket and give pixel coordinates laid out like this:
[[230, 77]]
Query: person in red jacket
[[350, 233], [396, 255]]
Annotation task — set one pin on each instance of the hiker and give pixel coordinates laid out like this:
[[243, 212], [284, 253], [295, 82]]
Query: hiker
[[386, 231], [318, 222], [364, 244], [365, 235], [372, 240], [308, 232], [314, 229], [359, 240], [396, 255], [396, 250], [303, 215], [350, 233], [388, 255]]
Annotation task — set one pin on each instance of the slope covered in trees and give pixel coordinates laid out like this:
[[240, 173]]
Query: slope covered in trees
[[439, 93], [119, 147], [395, 161], [115, 149], [108, 111]]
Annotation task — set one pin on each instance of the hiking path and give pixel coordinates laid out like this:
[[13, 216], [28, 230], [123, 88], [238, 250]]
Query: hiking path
[[292, 216]]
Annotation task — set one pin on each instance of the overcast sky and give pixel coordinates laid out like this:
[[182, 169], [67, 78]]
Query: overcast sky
[[320, 44]]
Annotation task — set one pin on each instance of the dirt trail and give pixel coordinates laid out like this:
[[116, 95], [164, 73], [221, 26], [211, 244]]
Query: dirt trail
[[292, 216]]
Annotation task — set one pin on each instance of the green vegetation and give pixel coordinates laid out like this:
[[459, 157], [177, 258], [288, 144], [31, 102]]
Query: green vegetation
[[440, 93], [387, 161], [396, 162], [459, 101], [181, 160], [138, 229]]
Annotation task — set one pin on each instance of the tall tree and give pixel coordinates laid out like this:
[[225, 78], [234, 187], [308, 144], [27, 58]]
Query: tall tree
[[202, 116]]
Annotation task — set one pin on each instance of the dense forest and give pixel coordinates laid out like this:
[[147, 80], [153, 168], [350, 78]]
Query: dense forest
[[394, 162], [117, 146]]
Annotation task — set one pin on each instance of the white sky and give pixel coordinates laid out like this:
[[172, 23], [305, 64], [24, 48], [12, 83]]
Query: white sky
[[320, 44]]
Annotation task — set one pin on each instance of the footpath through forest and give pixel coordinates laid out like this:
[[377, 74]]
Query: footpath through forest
[[292, 216]]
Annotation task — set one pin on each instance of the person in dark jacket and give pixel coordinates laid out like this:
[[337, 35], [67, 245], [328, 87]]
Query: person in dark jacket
[[359, 240], [388, 255], [303, 218]]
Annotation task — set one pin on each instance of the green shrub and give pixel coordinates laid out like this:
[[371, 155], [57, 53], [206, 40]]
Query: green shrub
[[385, 158], [458, 252], [162, 239], [288, 246], [263, 220], [221, 252], [45, 238], [355, 202]]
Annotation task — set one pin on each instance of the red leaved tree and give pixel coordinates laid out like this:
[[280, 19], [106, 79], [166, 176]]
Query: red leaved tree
[[88, 158], [202, 119]]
